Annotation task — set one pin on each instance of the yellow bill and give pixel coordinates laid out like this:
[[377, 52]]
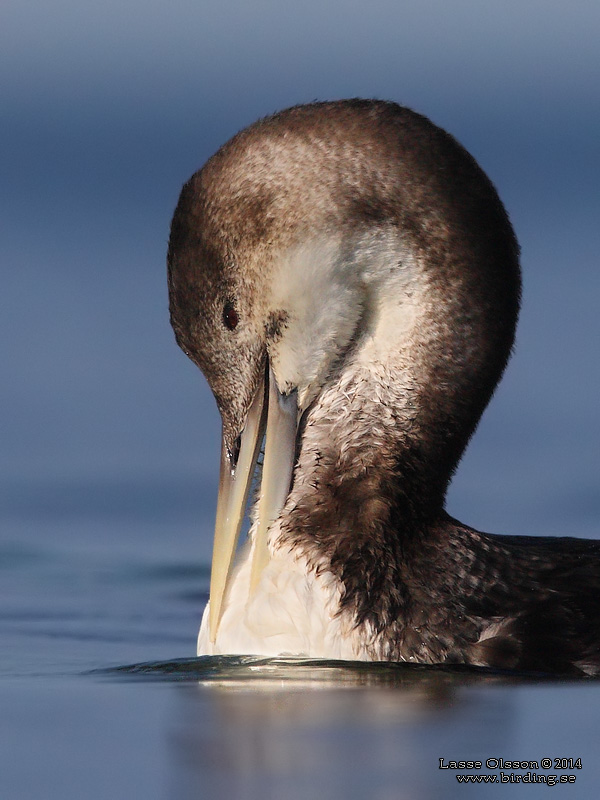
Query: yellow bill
[[275, 417]]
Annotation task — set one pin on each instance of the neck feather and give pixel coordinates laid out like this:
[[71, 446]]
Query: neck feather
[[378, 449]]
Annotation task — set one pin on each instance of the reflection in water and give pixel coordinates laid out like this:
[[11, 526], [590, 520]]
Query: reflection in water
[[277, 730]]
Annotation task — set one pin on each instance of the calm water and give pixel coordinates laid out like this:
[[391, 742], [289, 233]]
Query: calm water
[[73, 726]]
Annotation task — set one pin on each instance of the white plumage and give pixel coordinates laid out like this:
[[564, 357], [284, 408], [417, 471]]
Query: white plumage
[[292, 612]]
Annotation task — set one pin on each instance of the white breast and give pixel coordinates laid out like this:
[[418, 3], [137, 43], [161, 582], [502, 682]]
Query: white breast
[[292, 612]]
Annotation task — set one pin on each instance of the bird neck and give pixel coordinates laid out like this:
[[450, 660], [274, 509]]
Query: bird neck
[[377, 451], [385, 433]]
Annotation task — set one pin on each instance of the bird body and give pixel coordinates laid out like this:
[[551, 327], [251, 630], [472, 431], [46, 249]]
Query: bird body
[[347, 279]]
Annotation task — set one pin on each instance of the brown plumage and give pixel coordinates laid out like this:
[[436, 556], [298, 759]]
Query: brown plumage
[[410, 266]]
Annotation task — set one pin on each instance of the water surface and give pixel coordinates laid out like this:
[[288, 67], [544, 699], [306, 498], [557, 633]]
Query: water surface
[[84, 715]]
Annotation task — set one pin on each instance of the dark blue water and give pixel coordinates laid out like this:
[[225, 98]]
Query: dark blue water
[[109, 436]]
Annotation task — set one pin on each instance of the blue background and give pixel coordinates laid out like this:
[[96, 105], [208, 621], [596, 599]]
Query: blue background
[[108, 108]]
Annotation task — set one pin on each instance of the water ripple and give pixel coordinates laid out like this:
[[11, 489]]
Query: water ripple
[[252, 671]]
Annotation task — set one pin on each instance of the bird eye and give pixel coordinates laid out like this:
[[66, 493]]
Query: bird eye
[[230, 316]]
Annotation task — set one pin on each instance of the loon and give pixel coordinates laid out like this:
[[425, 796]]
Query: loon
[[347, 279]]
